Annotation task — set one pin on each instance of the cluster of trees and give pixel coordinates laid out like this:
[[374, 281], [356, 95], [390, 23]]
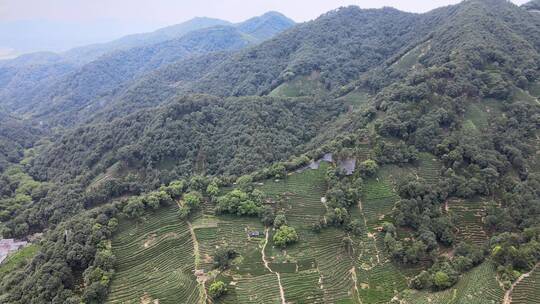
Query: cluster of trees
[[284, 236], [368, 168], [398, 153], [240, 202], [419, 208], [217, 289], [223, 257], [193, 134], [445, 272], [515, 253], [15, 136], [343, 193], [18, 191], [75, 251]]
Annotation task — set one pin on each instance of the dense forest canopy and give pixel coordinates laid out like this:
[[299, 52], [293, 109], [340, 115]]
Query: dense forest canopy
[[15, 136], [198, 122]]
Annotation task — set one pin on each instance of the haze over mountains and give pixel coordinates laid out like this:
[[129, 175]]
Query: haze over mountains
[[46, 80], [440, 110]]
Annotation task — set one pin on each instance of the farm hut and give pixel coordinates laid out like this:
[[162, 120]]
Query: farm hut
[[255, 234]]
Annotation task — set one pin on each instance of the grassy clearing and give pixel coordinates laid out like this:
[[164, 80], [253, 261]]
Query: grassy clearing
[[300, 86], [411, 58], [429, 167], [18, 259], [155, 260], [478, 286], [477, 114], [521, 95], [356, 98]]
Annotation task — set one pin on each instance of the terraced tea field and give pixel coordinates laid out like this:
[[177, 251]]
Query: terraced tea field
[[527, 291], [378, 199], [155, 261], [162, 258], [478, 286], [469, 214], [299, 195]]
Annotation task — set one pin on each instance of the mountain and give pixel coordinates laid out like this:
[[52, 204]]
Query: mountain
[[330, 51], [93, 81], [92, 52], [266, 26], [481, 56], [261, 28], [367, 156], [67, 89], [532, 6]]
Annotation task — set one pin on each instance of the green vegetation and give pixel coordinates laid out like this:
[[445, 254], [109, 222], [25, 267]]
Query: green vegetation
[[300, 86], [284, 236], [526, 291], [160, 191], [154, 260], [477, 286], [18, 259], [217, 289]]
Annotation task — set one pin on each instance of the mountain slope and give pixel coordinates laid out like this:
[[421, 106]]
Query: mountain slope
[[91, 83], [444, 193], [174, 140], [15, 137], [334, 49], [64, 93], [91, 52]]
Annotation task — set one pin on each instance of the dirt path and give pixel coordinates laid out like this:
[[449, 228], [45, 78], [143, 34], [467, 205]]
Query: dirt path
[[508, 294], [201, 277], [281, 290], [355, 280]]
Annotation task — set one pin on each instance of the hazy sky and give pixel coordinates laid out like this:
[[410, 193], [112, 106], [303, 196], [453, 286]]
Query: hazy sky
[[28, 25]]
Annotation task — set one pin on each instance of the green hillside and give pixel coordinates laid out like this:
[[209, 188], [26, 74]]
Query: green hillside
[[366, 156]]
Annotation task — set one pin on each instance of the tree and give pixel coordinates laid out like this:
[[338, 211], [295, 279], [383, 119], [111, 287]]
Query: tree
[[441, 280], [212, 190], [368, 168], [284, 236], [280, 220], [134, 207], [217, 289], [267, 216], [192, 199], [175, 188], [356, 226], [223, 257]]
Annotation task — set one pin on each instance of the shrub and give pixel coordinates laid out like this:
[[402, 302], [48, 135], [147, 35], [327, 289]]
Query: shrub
[[368, 168], [217, 289], [284, 236]]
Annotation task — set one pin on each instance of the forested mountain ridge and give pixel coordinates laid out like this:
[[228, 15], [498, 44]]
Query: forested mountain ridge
[[91, 84], [332, 50], [268, 24], [443, 125], [325, 51], [47, 86], [89, 53]]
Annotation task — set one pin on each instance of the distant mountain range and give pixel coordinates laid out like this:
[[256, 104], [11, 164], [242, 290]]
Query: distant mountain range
[[50, 83]]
